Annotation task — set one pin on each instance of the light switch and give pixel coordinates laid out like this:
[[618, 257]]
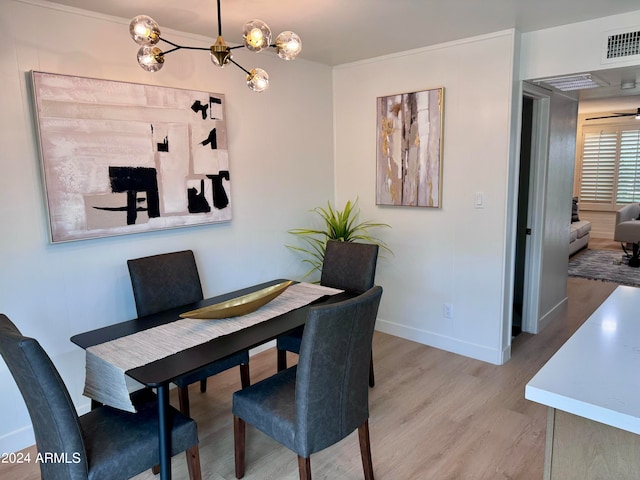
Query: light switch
[[479, 200]]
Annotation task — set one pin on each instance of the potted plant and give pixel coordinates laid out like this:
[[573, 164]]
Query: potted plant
[[339, 225]]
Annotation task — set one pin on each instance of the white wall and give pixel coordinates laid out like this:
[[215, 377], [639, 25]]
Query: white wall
[[280, 162], [572, 48], [455, 254]]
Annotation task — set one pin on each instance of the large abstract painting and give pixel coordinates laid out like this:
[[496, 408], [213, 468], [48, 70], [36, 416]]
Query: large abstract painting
[[409, 149], [123, 158]]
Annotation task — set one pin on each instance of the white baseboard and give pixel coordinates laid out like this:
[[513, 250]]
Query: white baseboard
[[262, 348], [551, 314], [17, 440], [479, 352]]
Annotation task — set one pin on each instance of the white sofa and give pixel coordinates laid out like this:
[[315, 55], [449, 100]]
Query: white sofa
[[579, 231], [579, 236]]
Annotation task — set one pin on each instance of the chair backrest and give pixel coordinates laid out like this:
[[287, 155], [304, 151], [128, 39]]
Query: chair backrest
[[332, 380], [165, 281], [54, 417], [350, 266]]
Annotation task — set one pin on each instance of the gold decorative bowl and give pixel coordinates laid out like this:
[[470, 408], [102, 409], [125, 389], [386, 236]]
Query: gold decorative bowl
[[239, 306]]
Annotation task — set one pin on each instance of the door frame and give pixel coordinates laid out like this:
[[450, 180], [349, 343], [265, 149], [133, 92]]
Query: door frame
[[536, 205]]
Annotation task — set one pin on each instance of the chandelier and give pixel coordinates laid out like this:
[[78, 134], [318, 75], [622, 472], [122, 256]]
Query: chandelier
[[256, 35]]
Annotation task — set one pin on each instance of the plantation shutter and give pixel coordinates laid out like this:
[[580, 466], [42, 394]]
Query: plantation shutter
[[598, 166], [628, 167]]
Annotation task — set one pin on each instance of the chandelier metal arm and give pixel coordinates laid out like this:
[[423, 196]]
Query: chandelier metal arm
[[219, 20], [240, 66], [180, 47]]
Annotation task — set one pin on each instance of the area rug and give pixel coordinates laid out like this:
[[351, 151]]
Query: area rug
[[606, 265]]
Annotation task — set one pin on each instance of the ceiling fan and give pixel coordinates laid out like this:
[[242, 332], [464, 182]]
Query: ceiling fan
[[616, 115]]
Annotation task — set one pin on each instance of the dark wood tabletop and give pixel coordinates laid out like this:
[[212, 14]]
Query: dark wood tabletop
[[165, 370]]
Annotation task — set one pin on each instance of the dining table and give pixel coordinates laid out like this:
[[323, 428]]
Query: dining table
[[159, 373]]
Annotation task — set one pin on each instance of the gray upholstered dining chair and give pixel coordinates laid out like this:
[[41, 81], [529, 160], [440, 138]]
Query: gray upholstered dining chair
[[103, 444], [170, 280], [322, 399], [349, 266]]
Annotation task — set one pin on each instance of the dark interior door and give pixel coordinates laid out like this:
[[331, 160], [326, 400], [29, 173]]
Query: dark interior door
[[522, 227]]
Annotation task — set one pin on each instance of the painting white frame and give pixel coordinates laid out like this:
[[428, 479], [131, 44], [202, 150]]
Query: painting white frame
[[120, 158]]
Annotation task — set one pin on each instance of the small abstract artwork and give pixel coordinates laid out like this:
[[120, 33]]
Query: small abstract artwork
[[120, 158], [409, 149]]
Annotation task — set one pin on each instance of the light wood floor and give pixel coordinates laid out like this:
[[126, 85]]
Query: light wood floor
[[434, 414], [604, 244]]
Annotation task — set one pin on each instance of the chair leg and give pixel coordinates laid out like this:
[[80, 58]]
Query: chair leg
[[304, 467], [183, 400], [239, 427], [634, 261], [282, 360], [372, 378], [245, 377], [365, 450], [193, 463], [203, 385]]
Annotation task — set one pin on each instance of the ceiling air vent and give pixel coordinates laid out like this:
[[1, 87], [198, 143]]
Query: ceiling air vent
[[622, 45], [568, 83]]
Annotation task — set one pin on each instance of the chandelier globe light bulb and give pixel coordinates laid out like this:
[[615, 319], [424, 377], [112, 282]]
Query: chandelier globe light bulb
[[256, 35], [144, 30], [288, 45], [150, 58], [258, 80]]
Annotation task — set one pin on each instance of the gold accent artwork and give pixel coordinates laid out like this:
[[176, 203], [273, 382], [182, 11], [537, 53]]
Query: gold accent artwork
[[409, 149]]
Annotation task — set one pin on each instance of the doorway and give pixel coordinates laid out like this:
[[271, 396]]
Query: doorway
[[522, 223], [532, 181]]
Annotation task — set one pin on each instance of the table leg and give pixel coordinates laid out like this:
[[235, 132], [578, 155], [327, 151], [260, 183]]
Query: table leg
[[164, 432]]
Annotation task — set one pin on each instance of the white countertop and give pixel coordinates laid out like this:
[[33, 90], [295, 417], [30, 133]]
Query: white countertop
[[596, 373]]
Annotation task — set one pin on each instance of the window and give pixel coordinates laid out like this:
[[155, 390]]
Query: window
[[629, 167], [610, 172]]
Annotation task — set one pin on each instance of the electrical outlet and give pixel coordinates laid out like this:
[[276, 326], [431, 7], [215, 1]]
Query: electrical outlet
[[448, 310]]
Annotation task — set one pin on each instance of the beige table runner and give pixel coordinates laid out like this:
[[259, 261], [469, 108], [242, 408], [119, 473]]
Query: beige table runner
[[106, 363]]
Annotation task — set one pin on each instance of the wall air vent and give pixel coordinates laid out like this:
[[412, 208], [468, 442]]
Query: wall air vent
[[621, 45]]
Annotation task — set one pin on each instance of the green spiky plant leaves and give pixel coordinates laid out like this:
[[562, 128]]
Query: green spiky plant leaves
[[339, 225]]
